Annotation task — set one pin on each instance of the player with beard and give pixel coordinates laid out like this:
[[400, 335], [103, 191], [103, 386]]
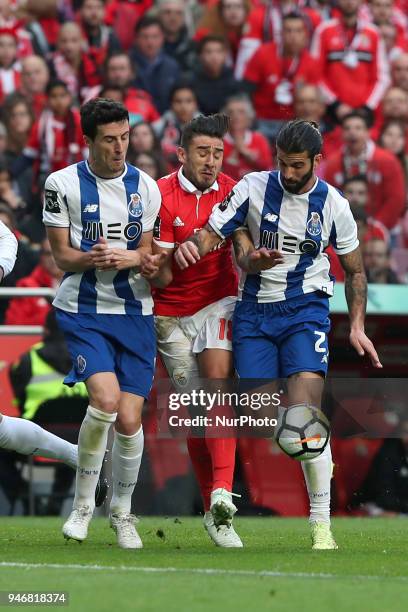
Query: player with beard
[[281, 319]]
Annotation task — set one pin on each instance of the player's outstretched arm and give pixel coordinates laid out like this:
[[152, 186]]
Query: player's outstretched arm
[[250, 259], [196, 246], [356, 296], [66, 256]]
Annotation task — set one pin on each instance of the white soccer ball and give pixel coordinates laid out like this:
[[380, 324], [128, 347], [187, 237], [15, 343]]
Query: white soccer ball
[[302, 432]]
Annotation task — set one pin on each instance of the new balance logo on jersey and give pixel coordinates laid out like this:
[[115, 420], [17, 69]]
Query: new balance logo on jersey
[[91, 208], [178, 222], [271, 217]]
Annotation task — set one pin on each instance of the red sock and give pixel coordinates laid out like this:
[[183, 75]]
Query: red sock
[[222, 451], [201, 460]]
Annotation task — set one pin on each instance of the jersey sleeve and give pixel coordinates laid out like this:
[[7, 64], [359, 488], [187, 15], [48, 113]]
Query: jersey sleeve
[[232, 212], [163, 233], [55, 210], [343, 235], [152, 208], [8, 249]]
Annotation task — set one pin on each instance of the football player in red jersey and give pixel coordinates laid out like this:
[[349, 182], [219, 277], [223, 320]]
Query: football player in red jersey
[[194, 307]]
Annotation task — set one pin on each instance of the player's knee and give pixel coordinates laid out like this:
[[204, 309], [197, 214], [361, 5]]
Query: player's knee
[[106, 401], [128, 424]]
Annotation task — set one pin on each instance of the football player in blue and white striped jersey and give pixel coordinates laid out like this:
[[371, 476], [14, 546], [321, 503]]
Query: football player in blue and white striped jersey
[[99, 216], [281, 320]]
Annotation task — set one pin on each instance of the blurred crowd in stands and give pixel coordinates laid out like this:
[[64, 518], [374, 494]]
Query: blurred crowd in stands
[[341, 63]]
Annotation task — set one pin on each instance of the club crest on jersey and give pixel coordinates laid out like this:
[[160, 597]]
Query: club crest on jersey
[[314, 225], [135, 207]]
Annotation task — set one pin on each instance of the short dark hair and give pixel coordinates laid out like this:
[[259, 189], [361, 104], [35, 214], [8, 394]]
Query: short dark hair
[[357, 178], [53, 84], [294, 15], [300, 135], [356, 114], [100, 111], [211, 38], [179, 86], [146, 22], [213, 125]]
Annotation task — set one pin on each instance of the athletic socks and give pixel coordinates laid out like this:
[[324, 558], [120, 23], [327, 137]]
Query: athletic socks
[[318, 473], [127, 454], [93, 437], [201, 460], [28, 438], [222, 451]]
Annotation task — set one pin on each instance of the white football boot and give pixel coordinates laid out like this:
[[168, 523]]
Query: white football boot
[[76, 526], [223, 535], [123, 524], [221, 506], [322, 537]]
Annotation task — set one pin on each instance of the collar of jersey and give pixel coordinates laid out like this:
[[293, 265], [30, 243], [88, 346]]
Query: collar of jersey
[[188, 185], [101, 178], [298, 195]]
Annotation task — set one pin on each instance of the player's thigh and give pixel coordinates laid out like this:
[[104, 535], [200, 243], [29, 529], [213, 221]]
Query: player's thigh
[[135, 354], [304, 361], [175, 349], [255, 355], [213, 344]]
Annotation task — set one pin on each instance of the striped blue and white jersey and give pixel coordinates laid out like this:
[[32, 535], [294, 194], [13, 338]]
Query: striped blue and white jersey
[[300, 226], [118, 209]]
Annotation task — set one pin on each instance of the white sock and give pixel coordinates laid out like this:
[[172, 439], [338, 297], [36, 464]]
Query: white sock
[[93, 437], [318, 473], [28, 438], [127, 454]]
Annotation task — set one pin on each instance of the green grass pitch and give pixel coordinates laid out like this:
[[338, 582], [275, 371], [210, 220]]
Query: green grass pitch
[[180, 569]]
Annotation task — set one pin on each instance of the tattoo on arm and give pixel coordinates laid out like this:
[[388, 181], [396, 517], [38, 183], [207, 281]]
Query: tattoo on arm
[[205, 240], [355, 285], [243, 246]]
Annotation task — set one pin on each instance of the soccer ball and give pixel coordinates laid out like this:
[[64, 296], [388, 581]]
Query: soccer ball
[[302, 432]]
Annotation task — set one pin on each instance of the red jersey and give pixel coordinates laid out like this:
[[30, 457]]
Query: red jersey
[[184, 211], [236, 165], [140, 106], [385, 178], [275, 77], [353, 64], [31, 310]]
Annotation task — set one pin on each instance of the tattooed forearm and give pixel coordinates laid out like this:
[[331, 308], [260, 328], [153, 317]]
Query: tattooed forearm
[[243, 246], [355, 286], [205, 240]]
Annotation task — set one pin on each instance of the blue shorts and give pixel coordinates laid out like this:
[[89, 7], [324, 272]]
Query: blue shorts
[[123, 344], [277, 339]]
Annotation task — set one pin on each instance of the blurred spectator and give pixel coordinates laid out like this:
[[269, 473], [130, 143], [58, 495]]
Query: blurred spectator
[[119, 73], [244, 150], [7, 194], [70, 63], [10, 72], [3, 139], [33, 310], [384, 12], [111, 92], [177, 40], [264, 24], [395, 105], [355, 190], [393, 138], [101, 40], [377, 262], [156, 72], [385, 489], [225, 18], [56, 139], [308, 104], [271, 75], [144, 140], [212, 80], [18, 119], [360, 155], [34, 79], [123, 15], [399, 72], [183, 108], [353, 64], [394, 46], [149, 163]]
